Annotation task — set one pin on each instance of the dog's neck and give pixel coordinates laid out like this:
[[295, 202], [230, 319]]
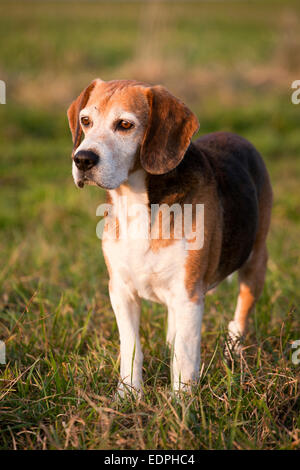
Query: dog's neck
[[144, 188], [134, 189], [130, 205]]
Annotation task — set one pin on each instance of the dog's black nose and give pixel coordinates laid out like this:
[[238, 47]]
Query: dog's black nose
[[85, 160]]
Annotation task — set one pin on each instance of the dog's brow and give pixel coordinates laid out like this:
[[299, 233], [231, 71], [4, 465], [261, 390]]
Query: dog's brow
[[125, 114]]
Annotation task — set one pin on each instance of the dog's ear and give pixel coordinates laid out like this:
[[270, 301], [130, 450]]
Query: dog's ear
[[73, 114], [171, 126]]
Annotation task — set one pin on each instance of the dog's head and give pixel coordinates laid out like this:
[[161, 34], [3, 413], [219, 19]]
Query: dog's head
[[125, 124]]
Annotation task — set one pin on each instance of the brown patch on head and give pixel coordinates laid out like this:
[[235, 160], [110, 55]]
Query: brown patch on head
[[171, 126], [73, 114], [127, 94]]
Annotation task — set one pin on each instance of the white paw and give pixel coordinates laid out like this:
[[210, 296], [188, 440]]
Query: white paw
[[179, 387], [235, 338], [129, 390]]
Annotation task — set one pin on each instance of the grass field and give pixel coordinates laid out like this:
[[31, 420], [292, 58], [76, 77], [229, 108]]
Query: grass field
[[233, 63]]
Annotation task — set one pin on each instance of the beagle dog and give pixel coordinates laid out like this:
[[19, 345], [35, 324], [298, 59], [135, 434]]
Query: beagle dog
[[137, 145]]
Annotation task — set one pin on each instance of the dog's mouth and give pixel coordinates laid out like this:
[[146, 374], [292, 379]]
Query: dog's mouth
[[84, 179]]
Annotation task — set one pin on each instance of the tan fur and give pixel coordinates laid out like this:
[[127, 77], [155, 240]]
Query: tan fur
[[73, 113], [129, 95], [202, 265]]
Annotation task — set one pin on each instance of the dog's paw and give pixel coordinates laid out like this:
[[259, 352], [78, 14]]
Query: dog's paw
[[234, 343], [182, 390], [125, 390]]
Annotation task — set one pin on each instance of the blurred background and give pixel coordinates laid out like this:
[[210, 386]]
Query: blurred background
[[232, 62]]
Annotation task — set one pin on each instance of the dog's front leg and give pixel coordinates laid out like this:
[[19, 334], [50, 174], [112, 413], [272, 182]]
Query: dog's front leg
[[126, 306], [187, 343]]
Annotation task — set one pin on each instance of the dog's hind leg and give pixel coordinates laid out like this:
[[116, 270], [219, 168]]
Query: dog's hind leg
[[252, 274], [251, 282]]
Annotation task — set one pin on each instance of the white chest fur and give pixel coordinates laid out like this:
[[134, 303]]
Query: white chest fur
[[152, 274]]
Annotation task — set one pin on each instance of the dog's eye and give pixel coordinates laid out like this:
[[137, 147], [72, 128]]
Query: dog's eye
[[85, 121], [124, 125]]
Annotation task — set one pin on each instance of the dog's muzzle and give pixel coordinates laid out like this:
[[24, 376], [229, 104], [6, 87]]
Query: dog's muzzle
[[85, 160]]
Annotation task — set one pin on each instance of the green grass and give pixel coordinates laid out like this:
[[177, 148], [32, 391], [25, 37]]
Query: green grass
[[233, 64]]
